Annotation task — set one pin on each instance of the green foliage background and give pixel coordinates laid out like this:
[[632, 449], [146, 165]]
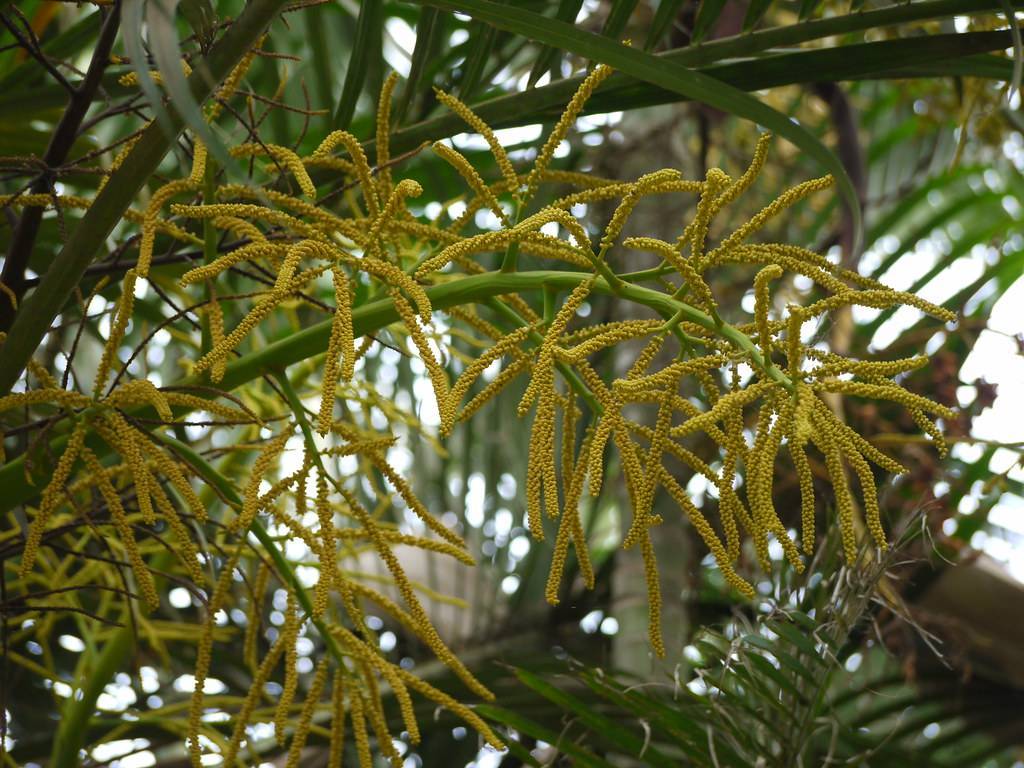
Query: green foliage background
[[911, 106]]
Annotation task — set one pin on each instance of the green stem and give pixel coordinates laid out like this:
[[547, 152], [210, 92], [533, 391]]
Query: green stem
[[568, 373], [78, 711], [19, 484]]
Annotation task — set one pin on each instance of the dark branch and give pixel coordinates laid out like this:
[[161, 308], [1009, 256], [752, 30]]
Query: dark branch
[[64, 135]]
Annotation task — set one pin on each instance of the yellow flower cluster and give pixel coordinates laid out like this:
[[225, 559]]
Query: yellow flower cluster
[[587, 423], [783, 399]]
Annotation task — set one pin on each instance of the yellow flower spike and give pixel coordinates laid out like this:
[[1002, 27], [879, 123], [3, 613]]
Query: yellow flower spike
[[794, 347], [405, 589], [336, 751], [413, 502], [609, 190], [782, 202], [571, 529], [833, 365], [37, 396], [458, 161], [340, 345], [762, 303], [384, 134], [728, 402], [261, 309], [765, 482], [197, 403], [301, 731], [730, 507], [328, 543], [224, 262], [682, 265], [281, 156], [406, 188], [872, 514], [256, 692], [880, 298], [170, 469], [204, 650], [892, 392], [474, 370], [637, 191], [132, 78], [370, 657], [633, 473], [666, 377], [806, 480], [10, 295], [759, 512], [122, 313], [378, 721], [290, 633], [595, 338], [120, 435], [543, 367], [771, 253], [563, 218], [647, 487], [478, 125], [186, 548], [195, 177], [313, 217], [653, 596], [355, 707], [487, 241], [120, 519], [929, 428], [696, 232], [229, 86], [856, 441], [457, 708], [707, 534], [565, 122], [391, 275], [827, 438], [119, 158], [363, 173], [50, 497], [744, 182], [139, 392], [541, 469], [215, 317], [494, 387], [244, 210], [293, 258], [150, 220], [570, 414], [254, 618], [436, 372], [257, 474]]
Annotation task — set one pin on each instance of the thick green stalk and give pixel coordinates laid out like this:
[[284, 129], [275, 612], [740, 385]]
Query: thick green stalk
[[74, 722], [37, 312], [19, 484]]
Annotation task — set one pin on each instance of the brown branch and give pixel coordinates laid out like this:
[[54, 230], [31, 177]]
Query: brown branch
[[64, 135]]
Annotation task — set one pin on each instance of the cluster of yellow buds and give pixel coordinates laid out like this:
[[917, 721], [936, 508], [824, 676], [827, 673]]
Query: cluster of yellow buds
[[782, 402], [383, 253]]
